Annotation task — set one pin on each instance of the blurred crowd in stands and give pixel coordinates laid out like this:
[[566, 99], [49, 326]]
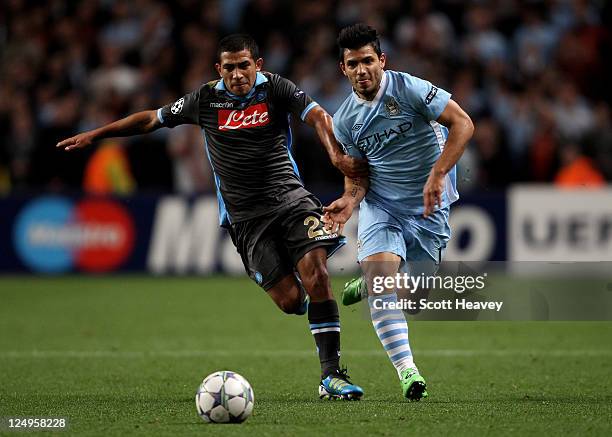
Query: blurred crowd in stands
[[533, 75]]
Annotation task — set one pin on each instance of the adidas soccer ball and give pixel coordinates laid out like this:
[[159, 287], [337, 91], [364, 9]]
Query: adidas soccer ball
[[224, 397]]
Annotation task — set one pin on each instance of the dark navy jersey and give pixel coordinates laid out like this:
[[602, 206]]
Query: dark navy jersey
[[248, 141]]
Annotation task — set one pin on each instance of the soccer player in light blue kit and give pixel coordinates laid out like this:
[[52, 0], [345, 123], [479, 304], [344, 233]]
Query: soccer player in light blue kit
[[412, 134]]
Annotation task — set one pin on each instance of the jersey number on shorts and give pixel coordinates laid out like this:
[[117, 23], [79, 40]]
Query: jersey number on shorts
[[314, 223]]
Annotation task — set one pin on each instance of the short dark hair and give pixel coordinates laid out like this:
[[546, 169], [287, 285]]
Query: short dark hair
[[236, 43], [356, 36]]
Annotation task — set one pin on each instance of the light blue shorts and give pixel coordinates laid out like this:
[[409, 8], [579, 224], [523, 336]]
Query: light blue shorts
[[419, 241]]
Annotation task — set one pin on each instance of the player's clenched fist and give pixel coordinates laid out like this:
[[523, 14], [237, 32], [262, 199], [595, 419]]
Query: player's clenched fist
[[76, 142], [432, 192]]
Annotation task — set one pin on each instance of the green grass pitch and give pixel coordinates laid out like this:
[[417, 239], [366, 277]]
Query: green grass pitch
[[124, 356]]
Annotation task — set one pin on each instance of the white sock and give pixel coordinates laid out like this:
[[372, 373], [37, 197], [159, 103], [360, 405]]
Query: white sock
[[392, 331]]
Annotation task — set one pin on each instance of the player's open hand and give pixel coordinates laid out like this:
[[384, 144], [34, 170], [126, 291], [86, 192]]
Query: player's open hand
[[351, 167], [432, 192], [76, 142], [336, 214]]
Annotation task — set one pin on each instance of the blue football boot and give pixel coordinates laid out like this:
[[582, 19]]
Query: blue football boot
[[338, 386]]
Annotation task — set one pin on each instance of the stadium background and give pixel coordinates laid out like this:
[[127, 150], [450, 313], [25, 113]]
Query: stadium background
[[532, 74], [123, 354]]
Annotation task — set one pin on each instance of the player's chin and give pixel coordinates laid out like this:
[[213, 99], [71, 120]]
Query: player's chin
[[241, 90], [365, 88]]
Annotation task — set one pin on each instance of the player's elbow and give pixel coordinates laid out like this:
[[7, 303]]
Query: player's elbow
[[463, 128], [462, 123], [468, 126], [318, 117], [150, 121]]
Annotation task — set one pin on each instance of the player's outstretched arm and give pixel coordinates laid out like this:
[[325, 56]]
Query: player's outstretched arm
[[337, 213], [460, 130], [323, 124], [137, 123]]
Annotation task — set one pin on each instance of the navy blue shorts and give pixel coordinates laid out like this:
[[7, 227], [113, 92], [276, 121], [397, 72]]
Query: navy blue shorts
[[271, 245]]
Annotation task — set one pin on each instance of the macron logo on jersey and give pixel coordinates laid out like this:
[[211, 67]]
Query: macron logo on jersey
[[253, 116]]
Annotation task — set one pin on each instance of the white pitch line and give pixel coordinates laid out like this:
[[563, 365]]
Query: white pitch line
[[295, 353]]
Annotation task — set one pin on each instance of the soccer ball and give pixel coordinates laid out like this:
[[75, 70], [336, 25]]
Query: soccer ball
[[224, 397]]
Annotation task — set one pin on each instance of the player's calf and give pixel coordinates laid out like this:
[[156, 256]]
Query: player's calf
[[324, 322], [289, 296], [316, 282], [289, 306]]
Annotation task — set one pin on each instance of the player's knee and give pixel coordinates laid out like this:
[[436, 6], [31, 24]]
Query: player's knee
[[289, 305]]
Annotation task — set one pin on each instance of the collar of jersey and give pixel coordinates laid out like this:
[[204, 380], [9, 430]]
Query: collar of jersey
[[379, 94], [259, 79]]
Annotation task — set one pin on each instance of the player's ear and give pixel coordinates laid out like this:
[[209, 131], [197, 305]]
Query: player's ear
[[343, 67], [383, 60], [218, 68], [259, 64]]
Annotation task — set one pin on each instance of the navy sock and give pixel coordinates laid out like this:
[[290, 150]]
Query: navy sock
[[325, 327]]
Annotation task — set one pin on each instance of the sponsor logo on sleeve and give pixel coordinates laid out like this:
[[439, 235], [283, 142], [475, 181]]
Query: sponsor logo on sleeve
[[431, 95], [251, 117]]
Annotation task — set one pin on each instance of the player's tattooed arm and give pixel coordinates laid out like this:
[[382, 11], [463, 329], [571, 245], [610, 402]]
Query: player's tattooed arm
[[137, 123], [460, 130], [323, 124], [337, 213]]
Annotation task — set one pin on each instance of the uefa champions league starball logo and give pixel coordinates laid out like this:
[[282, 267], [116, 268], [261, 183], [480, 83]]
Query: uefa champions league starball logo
[[177, 106]]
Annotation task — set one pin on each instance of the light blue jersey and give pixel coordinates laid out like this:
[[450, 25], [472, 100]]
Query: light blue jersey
[[398, 134]]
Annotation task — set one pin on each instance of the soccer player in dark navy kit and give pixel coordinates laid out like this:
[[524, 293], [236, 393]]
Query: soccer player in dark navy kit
[[274, 222]]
